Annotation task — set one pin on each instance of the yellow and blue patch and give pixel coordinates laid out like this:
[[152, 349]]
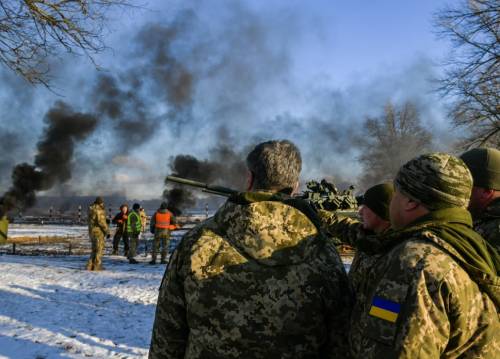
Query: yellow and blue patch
[[385, 309]]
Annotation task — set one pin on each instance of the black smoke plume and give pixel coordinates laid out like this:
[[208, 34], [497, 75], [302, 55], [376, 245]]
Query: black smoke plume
[[120, 101], [224, 167], [52, 165]]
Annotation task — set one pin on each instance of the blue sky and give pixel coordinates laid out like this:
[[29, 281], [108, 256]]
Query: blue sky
[[260, 69]]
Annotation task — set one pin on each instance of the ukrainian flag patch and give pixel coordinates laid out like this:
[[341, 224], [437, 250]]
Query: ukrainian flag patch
[[384, 309]]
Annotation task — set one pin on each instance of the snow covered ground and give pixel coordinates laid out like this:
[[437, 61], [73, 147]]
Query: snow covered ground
[[35, 230], [50, 307]]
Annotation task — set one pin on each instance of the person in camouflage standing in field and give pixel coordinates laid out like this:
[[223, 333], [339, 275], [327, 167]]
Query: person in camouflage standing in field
[[98, 229], [435, 291], [162, 223], [484, 164], [366, 235], [257, 280]]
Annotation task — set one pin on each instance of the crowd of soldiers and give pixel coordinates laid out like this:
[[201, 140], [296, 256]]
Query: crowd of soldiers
[[262, 278], [129, 226]]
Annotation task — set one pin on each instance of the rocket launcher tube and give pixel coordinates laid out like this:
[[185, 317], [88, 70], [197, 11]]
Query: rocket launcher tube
[[218, 190]]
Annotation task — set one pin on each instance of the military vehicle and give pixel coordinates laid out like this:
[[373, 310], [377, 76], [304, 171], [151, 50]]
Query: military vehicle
[[325, 195]]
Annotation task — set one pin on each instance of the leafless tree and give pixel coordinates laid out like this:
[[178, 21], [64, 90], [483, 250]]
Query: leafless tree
[[390, 141], [472, 76], [34, 31]]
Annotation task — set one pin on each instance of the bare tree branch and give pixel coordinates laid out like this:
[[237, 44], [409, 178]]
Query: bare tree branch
[[390, 141], [34, 31], [472, 75]]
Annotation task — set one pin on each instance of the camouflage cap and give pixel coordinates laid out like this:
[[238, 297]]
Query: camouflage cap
[[484, 164], [99, 200], [436, 180]]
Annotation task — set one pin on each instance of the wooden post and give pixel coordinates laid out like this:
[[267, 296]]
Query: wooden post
[[13, 248]]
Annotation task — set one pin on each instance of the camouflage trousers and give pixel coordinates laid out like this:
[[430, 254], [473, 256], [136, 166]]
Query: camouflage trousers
[[162, 238], [133, 241], [95, 260]]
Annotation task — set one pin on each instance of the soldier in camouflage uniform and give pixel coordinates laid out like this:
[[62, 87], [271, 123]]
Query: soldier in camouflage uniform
[[98, 229], [365, 235], [434, 290], [257, 280], [484, 164]]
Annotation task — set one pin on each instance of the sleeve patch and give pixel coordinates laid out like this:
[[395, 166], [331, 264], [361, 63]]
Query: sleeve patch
[[384, 309]]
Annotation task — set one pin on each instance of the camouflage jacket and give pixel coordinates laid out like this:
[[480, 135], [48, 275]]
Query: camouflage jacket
[[254, 281], [350, 231], [97, 219], [488, 225], [419, 302]]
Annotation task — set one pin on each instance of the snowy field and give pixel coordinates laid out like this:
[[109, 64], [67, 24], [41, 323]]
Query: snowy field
[[34, 230], [52, 308]]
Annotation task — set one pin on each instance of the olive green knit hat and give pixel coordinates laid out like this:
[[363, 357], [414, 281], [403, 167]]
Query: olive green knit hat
[[378, 198], [484, 164]]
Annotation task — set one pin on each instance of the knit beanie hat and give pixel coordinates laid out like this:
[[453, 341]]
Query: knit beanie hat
[[436, 180]]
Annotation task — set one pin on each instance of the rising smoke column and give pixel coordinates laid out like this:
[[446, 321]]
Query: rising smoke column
[[225, 167], [52, 165]]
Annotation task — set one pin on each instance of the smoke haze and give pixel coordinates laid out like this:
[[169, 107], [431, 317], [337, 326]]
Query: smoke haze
[[190, 92]]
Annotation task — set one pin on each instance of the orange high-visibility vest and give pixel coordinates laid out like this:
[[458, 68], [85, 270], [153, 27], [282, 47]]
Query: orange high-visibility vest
[[162, 220]]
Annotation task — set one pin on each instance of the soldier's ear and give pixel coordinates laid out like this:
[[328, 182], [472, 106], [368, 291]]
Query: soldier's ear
[[408, 204]]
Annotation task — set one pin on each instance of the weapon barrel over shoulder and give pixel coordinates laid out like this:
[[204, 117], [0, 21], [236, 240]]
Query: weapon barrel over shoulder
[[218, 190]]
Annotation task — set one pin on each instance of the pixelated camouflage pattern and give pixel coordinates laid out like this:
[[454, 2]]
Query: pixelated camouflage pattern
[[98, 229], [443, 313], [255, 281], [350, 231], [488, 225], [437, 180]]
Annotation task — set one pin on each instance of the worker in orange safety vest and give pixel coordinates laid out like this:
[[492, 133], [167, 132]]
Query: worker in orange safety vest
[[162, 223]]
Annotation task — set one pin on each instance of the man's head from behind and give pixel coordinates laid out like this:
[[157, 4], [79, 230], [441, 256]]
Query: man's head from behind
[[374, 207], [428, 183], [484, 164], [99, 201], [275, 166]]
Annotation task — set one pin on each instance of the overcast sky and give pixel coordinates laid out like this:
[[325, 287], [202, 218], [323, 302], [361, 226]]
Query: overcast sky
[[190, 76]]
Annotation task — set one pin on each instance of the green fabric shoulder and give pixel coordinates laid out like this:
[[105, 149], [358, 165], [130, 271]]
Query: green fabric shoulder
[[347, 230]]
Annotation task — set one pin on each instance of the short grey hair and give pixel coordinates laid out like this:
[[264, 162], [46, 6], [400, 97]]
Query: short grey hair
[[275, 165]]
